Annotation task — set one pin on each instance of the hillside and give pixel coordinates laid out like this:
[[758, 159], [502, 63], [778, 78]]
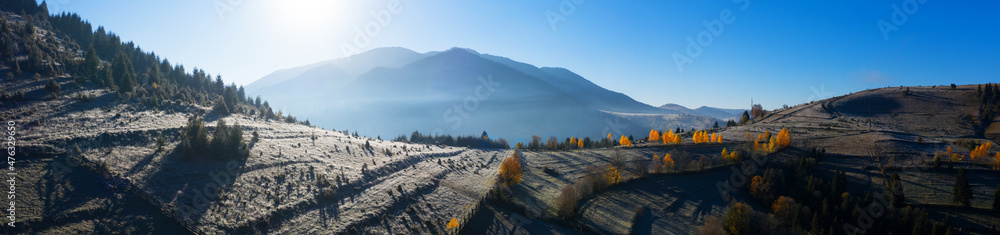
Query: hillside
[[898, 129], [103, 154]]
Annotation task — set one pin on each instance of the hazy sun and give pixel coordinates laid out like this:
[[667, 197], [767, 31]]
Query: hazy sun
[[306, 15]]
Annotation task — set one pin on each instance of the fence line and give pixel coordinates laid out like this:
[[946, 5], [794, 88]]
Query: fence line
[[132, 188]]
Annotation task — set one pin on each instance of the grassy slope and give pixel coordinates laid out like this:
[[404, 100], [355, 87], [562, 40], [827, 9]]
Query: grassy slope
[[123, 136]]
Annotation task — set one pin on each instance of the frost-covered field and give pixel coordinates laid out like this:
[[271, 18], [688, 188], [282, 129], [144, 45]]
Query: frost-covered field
[[276, 189]]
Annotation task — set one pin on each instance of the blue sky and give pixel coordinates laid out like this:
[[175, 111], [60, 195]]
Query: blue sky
[[777, 53]]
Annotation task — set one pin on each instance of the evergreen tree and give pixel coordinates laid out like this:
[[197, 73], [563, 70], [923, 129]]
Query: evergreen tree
[[896, 194], [122, 73], [962, 193], [745, 117], [90, 63]]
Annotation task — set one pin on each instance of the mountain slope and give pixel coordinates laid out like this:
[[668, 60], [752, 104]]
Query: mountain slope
[[392, 91], [457, 92], [581, 89], [351, 67]]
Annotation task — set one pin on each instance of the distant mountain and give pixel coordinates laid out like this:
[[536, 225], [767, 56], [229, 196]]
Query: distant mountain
[[340, 69], [394, 91], [719, 113]]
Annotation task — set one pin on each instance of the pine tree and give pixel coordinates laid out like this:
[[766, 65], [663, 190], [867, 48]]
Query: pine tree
[[962, 193], [122, 73]]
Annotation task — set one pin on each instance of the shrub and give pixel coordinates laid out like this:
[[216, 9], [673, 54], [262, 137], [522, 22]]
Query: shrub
[[53, 87], [549, 171], [612, 175], [567, 201], [221, 108], [452, 224], [160, 142]]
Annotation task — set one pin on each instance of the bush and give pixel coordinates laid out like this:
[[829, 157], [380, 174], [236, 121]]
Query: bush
[[53, 87], [221, 108], [567, 201], [550, 171]]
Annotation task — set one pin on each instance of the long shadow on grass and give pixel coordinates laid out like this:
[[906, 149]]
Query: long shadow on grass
[[192, 187]]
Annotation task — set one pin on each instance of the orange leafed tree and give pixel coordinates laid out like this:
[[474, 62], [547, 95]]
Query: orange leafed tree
[[668, 162], [579, 144], [453, 223], [784, 138], [996, 161], [510, 171], [654, 135], [982, 151], [624, 141], [612, 175], [572, 142]]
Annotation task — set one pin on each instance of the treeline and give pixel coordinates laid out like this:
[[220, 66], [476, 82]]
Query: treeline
[[123, 67], [469, 141], [989, 105], [553, 143]]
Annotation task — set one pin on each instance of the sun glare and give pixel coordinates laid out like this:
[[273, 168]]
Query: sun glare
[[309, 15]]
